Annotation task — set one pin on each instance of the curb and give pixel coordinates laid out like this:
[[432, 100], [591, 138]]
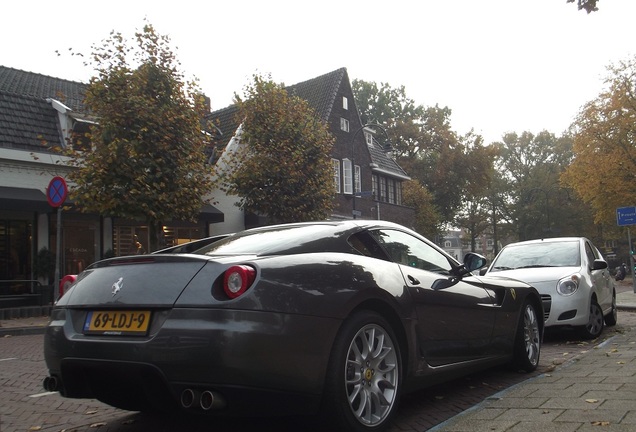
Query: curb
[[22, 331]]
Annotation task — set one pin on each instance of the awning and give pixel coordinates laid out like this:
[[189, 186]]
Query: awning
[[14, 198], [209, 213]]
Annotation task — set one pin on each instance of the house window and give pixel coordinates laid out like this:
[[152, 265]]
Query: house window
[[336, 174], [344, 124], [374, 186], [447, 244], [358, 182], [345, 103], [391, 190], [398, 193], [382, 189], [348, 180]]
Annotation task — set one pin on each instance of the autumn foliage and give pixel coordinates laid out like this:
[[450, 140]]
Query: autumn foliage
[[604, 170], [148, 159], [283, 171]]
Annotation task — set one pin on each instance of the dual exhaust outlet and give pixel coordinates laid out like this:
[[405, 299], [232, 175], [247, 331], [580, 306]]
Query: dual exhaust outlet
[[51, 384], [203, 399]]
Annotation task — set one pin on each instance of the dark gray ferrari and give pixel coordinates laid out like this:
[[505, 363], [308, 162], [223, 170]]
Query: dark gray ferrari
[[335, 317]]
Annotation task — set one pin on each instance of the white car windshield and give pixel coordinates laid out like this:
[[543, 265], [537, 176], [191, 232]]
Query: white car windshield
[[548, 254]]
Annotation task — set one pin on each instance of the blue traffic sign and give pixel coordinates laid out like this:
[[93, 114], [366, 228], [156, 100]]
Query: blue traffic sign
[[626, 216]]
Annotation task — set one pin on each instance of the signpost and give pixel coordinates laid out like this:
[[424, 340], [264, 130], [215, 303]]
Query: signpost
[[626, 216], [56, 194]]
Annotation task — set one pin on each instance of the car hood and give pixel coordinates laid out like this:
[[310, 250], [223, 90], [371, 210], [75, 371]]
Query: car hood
[[536, 275]]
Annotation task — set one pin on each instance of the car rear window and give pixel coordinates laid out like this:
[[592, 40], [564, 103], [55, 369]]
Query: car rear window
[[293, 239]]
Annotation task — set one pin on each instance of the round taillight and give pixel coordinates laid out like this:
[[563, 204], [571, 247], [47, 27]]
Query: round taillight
[[237, 280]]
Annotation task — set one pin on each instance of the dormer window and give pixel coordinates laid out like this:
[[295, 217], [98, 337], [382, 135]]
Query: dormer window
[[368, 136]]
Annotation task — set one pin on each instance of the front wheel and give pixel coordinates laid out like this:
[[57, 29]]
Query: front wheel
[[364, 378], [527, 347], [594, 325]]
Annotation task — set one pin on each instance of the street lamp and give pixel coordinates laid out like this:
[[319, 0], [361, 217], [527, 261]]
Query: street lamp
[[353, 165]]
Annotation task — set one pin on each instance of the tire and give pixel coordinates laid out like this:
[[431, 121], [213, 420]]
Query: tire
[[527, 347], [594, 326], [612, 318], [364, 376]]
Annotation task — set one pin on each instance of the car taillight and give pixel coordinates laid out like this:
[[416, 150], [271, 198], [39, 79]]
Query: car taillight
[[237, 280]]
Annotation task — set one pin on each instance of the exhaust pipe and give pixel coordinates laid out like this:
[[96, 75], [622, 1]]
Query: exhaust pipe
[[207, 400], [188, 397], [51, 383], [211, 400]]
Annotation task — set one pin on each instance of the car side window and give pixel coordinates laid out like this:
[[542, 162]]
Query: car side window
[[405, 249], [591, 256]]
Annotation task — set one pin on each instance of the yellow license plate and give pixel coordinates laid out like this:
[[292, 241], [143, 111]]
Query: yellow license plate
[[117, 322]]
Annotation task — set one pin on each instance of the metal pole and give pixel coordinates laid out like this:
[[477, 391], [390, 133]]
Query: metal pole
[[631, 259], [58, 243]]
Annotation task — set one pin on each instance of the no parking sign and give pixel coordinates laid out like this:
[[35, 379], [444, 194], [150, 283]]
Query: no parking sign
[[57, 191]]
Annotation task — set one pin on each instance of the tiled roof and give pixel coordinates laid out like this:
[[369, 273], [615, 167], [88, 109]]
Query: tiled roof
[[27, 120], [27, 123], [385, 162], [70, 93], [320, 93]]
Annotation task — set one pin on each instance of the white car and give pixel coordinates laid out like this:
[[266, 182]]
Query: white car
[[572, 277]]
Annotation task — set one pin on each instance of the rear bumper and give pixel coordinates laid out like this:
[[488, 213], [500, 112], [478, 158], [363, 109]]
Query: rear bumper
[[253, 359]]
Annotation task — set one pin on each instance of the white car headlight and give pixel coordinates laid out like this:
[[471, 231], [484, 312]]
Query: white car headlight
[[568, 285]]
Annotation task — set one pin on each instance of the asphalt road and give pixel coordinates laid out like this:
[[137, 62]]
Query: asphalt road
[[25, 406]]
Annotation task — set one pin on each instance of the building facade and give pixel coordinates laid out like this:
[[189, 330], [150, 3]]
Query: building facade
[[39, 115]]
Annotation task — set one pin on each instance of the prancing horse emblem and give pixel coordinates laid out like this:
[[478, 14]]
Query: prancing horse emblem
[[117, 286]]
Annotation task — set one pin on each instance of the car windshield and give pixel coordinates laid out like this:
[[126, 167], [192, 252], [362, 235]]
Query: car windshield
[[547, 254]]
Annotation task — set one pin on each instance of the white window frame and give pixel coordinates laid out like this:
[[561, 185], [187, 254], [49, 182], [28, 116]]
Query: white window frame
[[345, 103], [344, 124], [368, 136], [336, 174], [346, 174]]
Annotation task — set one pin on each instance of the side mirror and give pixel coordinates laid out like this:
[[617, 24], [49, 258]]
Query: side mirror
[[473, 261], [599, 264]]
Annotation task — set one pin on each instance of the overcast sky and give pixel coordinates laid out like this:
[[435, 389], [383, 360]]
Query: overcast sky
[[500, 65]]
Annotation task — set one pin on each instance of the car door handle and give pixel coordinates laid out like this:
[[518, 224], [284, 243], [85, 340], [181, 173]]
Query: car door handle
[[413, 280]]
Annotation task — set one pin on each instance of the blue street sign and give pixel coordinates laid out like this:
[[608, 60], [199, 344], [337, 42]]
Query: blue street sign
[[626, 216]]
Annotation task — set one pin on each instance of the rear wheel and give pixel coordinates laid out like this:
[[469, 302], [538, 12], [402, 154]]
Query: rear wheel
[[594, 325], [612, 318], [364, 377], [527, 348]]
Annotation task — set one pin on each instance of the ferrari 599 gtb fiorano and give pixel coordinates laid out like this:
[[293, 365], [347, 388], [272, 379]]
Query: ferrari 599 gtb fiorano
[[338, 318]]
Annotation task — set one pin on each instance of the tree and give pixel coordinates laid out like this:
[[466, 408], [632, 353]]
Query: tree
[[148, 159], [604, 168], [588, 5], [538, 204], [424, 143], [284, 171], [427, 219]]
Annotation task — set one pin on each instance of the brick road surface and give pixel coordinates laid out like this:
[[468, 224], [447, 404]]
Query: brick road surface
[[25, 406]]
